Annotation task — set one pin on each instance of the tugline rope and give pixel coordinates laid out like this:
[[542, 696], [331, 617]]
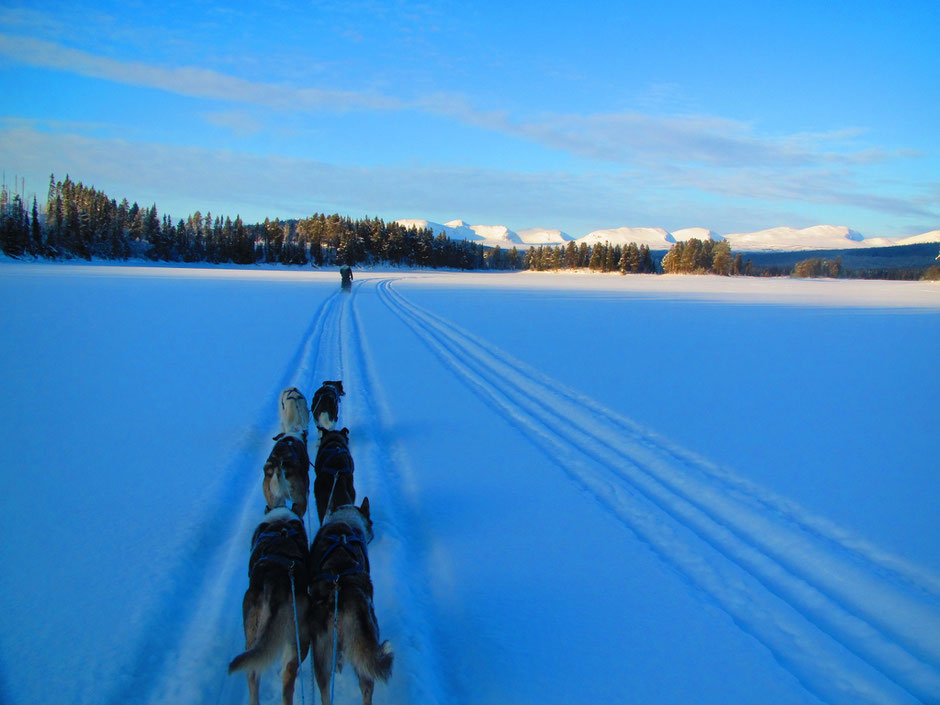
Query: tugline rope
[[335, 635], [293, 595]]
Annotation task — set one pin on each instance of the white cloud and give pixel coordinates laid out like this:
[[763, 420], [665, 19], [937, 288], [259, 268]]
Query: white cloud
[[188, 80]]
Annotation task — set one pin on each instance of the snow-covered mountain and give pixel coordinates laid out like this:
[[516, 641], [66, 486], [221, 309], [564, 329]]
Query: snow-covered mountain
[[817, 237], [544, 236], [491, 235], [698, 233], [932, 236], [655, 238]]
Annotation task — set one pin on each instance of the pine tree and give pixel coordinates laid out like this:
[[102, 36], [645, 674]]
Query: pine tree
[[721, 260], [598, 255], [35, 244]]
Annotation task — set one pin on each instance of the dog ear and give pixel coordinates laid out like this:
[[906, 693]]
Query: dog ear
[[345, 432], [365, 508]]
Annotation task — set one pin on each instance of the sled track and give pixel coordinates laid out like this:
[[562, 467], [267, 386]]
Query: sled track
[[398, 561], [204, 591], [853, 624]]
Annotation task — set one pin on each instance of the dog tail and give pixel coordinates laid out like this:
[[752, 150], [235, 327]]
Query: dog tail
[[275, 633], [361, 636]]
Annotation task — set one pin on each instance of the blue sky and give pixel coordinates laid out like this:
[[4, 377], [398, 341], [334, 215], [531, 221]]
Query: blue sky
[[583, 116]]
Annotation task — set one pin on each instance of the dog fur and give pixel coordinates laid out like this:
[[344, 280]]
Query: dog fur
[[287, 474], [279, 550], [325, 405], [333, 472], [340, 563], [293, 412]]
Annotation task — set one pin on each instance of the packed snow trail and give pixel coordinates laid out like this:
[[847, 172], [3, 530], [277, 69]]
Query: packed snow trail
[[383, 472], [338, 350], [850, 622], [188, 661]]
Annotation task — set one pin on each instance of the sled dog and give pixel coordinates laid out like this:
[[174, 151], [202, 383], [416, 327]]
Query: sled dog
[[279, 556], [333, 472], [287, 475], [293, 413], [340, 564], [325, 405]]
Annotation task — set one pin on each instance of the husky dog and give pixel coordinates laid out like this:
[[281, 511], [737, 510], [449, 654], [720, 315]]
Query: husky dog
[[340, 564], [278, 580], [325, 406], [287, 475], [293, 412], [333, 472]]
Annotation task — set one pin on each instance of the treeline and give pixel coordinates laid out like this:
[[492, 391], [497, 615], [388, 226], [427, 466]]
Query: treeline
[[818, 267], [696, 256], [82, 222], [631, 258]]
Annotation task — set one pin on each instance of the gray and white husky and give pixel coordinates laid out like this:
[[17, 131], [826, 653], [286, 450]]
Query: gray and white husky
[[341, 580], [278, 578]]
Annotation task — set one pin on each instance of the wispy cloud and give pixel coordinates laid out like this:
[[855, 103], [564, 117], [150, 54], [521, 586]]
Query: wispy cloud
[[625, 138], [188, 80], [633, 158]]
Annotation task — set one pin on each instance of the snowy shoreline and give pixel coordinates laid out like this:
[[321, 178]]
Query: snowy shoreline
[[864, 293]]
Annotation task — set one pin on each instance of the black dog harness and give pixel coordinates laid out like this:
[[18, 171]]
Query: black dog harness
[[355, 547], [327, 390], [284, 546], [327, 455], [297, 448]]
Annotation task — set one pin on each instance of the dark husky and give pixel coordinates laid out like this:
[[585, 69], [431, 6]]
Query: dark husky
[[341, 581], [279, 557], [333, 470], [325, 404], [287, 474]]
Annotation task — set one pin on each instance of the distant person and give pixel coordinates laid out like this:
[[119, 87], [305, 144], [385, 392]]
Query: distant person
[[346, 273]]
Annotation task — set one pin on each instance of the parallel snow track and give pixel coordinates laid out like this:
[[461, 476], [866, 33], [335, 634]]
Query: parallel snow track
[[398, 550], [188, 664], [853, 624]]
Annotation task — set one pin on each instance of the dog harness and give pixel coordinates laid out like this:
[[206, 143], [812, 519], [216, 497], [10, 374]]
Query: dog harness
[[295, 445], [353, 544], [327, 390], [327, 455], [285, 546]]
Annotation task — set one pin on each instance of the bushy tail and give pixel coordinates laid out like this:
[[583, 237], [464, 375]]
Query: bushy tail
[[361, 639], [275, 633]]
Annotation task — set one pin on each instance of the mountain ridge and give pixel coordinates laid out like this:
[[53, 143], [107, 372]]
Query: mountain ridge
[[782, 238]]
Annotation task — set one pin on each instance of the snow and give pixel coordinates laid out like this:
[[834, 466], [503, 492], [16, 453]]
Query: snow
[[543, 236], [490, 235], [584, 487], [817, 237], [932, 236], [655, 238], [697, 233]]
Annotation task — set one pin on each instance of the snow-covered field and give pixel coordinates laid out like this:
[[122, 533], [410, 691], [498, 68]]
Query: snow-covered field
[[586, 488]]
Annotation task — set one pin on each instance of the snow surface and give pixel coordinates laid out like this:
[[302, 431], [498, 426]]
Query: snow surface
[[585, 488]]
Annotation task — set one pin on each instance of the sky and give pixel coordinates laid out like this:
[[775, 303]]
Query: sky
[[576, 116]]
